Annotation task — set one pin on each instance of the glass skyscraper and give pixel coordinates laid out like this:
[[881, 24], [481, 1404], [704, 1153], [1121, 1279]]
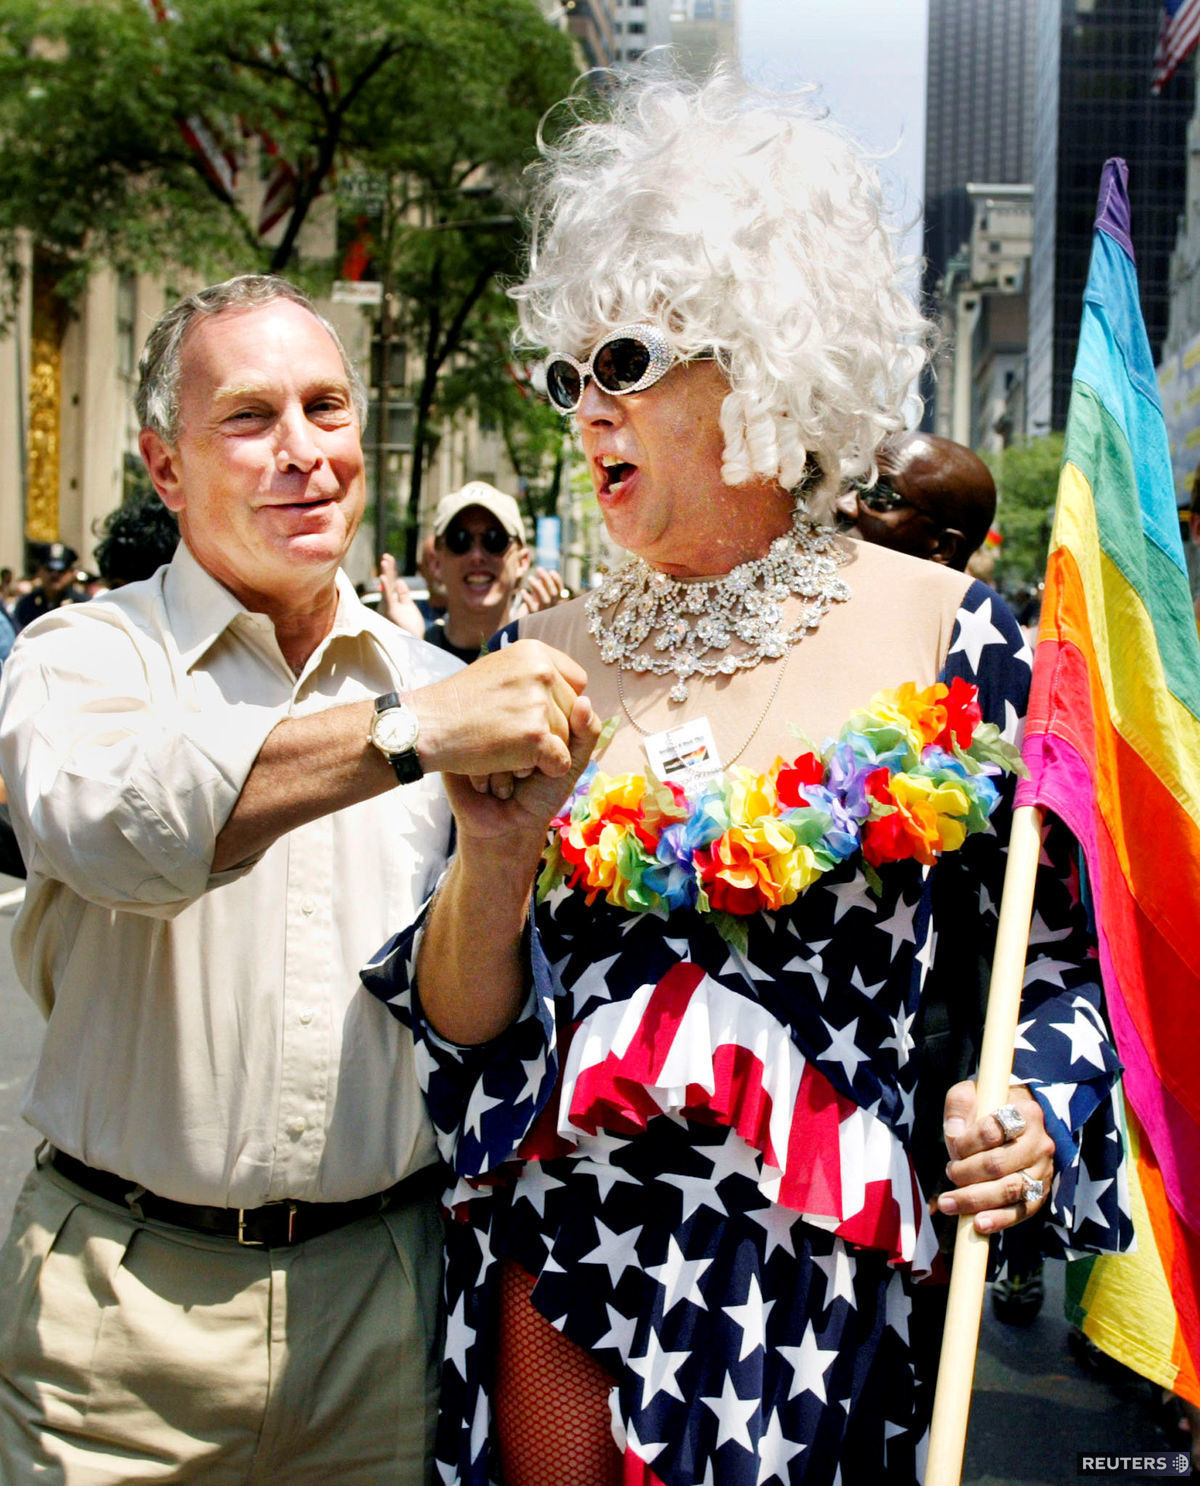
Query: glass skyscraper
[[1092, 100]]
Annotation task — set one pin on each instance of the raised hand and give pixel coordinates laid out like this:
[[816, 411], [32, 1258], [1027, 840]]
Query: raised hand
[[396, 601], [542, 589]]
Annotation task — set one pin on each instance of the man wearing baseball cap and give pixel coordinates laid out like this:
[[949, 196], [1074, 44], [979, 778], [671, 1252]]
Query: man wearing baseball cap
[[481, 557]]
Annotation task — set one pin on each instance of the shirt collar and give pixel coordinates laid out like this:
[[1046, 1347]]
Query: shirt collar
[[200, 609]]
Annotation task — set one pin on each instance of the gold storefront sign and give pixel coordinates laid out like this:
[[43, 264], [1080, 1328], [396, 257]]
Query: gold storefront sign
[[49, 323]]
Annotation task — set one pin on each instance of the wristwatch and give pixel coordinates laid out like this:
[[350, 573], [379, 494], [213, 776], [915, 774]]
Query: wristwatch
[[394, 731]]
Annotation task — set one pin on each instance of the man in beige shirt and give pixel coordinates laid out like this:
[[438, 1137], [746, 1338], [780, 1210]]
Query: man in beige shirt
[[225, 1267]]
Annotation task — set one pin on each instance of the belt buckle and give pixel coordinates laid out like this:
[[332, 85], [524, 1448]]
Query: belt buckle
[[248, 1243], [260, 1243]]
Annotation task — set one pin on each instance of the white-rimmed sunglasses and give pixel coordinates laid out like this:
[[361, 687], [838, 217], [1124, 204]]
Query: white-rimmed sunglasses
[[629, 359]]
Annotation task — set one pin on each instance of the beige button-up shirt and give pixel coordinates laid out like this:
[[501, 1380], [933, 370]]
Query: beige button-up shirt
[[207, 1035]]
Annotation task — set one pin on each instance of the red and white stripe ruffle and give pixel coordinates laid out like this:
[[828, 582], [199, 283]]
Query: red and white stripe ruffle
[[690, 1045]]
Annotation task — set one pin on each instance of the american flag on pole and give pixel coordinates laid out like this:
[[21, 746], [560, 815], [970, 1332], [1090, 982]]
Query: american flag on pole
[[279, 191], [1178, 34], [220, 158]]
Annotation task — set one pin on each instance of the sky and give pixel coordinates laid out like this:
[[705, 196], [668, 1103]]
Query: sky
[[868, 57]]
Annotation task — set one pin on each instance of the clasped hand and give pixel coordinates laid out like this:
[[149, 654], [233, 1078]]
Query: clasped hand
[[989, 1172], [513, 733]]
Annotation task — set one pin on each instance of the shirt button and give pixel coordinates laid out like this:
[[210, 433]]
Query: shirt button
[[305, 1017], [297, 1125], [308, 906]]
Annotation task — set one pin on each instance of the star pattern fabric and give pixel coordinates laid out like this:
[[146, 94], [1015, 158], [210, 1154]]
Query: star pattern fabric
[[701, 1155]]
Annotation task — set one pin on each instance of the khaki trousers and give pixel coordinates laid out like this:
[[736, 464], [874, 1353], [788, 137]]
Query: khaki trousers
[[134, 1351]]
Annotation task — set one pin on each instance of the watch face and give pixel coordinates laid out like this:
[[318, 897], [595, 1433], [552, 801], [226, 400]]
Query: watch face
[[395, 731]]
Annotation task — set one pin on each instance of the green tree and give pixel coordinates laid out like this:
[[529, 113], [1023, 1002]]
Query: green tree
[[92, 168], [121, 120], [1026, 476], [451, 229], [103, 105], [496, 386]]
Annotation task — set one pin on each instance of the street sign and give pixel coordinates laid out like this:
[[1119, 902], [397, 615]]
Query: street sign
[[367, 292]]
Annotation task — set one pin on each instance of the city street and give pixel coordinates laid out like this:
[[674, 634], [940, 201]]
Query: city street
[[1035, 1408]]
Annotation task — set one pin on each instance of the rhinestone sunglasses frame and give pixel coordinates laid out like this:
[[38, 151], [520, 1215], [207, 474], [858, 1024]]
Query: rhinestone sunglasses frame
[[663, 357]]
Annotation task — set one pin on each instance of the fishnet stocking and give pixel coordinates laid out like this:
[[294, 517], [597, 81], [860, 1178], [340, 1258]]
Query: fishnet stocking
[[551, 1399]]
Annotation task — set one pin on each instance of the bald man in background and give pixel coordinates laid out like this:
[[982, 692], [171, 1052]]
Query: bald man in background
[[933, 499]]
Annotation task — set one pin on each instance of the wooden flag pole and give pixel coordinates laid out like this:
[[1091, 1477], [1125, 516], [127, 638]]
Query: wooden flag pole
[[960, 1341]]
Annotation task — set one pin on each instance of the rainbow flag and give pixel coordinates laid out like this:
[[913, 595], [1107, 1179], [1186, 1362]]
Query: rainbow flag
[[1113, 747]]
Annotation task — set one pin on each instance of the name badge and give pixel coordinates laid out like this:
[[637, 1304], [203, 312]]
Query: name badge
[[685, 755]]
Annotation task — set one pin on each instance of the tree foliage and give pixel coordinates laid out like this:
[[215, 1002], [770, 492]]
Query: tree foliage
[[497, 387], [100, 101], [413, 115], [1026, 476], [92, 167]]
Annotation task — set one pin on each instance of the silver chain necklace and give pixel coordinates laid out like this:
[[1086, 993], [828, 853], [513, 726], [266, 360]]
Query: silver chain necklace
[[733, 758], [656, 623]]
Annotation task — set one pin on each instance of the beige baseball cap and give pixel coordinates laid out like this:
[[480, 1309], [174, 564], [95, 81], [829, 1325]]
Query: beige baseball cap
[[479, 493]]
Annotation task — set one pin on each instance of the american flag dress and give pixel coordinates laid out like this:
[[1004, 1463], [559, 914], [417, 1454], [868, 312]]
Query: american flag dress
[[700, 1154]]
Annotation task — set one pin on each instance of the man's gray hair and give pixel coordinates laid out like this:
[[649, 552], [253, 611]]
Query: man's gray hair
[[157, 398]]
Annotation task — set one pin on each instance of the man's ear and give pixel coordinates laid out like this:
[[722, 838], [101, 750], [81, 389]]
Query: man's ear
[[951, 548], [162, 466], [846, 503]]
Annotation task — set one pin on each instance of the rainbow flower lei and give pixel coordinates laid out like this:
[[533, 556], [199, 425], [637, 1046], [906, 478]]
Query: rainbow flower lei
[[908, 778]]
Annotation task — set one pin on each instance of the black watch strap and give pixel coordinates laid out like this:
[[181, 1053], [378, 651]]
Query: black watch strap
[[407, 766]]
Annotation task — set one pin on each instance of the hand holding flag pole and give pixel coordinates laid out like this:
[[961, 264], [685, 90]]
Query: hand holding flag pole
[[960, 1340]]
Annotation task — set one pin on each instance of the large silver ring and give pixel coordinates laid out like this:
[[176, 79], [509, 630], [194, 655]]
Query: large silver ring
[[1031, 1189], [1011, 1122]]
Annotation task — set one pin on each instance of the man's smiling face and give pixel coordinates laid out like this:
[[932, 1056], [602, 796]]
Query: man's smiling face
[[266, 474], [480, 564]]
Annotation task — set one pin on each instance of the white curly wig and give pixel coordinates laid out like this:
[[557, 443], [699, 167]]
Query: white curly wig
[[744, 223]]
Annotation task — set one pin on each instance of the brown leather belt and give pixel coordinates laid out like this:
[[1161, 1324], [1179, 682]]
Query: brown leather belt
[[274, 1226]]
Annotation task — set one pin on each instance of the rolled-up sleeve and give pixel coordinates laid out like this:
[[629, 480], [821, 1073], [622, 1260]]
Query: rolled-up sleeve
[[118, 782]]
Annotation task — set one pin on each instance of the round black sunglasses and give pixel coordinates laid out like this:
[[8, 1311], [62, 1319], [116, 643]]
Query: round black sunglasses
[[493, 539]]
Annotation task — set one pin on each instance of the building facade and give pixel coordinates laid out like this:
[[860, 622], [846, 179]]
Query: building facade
[[704, 32], [985, 304], [641, 25], [1094, 62], [978, 127], [1183, 310], [592, 24]]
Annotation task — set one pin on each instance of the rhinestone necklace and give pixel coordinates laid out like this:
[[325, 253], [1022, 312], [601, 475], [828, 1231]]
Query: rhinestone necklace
[[656, 623]]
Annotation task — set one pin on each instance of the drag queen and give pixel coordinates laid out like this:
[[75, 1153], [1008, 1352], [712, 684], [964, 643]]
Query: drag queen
[[666, 1021]]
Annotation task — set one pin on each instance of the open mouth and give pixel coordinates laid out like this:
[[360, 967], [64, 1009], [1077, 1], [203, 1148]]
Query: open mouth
[[613, 473]]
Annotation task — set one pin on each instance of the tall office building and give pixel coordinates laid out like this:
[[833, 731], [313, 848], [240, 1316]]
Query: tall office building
[[699, 32], [704, 32], [1093, 100], [592, 23], [978, 120], [641, 25]]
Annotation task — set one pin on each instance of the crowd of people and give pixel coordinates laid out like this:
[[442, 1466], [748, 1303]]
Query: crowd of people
[[529, 1039]]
